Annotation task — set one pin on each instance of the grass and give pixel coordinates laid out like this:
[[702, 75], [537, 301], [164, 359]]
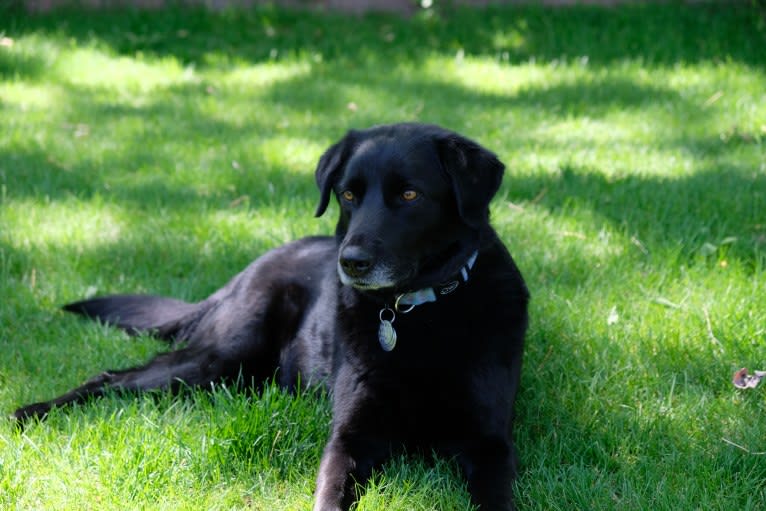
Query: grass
[[162, 151]]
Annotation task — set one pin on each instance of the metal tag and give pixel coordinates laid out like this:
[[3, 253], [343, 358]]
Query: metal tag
[[386, 335]]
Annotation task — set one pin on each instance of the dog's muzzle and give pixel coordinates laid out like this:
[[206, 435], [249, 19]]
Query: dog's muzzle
[[358, 268], [355, 262]]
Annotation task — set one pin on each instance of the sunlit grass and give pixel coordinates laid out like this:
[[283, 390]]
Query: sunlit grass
[[62, 224], [161, 152]]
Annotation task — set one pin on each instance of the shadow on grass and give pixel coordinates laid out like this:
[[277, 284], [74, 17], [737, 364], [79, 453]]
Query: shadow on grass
[[714, 202], [706, 32]]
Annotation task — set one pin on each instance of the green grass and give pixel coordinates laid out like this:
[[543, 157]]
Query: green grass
[[162, 151]]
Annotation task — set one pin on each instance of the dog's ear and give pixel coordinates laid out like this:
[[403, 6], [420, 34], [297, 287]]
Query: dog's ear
[[475, 173], [328, 168]]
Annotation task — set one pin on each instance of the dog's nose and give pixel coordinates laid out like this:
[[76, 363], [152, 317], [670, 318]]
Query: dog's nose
[[355, 261]]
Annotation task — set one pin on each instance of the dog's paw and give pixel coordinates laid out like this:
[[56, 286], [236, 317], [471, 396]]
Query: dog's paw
[[30, 412]]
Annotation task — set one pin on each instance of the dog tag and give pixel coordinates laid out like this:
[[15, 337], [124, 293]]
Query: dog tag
[[386, 332], [387, 336]]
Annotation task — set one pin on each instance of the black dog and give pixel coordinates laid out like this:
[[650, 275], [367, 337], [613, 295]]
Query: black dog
[[413, 315]]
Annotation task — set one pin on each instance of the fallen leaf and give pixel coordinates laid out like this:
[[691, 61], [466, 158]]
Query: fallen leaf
[[613, 316], [641, 247], [743, 380], [665, 302], [712, 99], [708, 249], [238, 201]]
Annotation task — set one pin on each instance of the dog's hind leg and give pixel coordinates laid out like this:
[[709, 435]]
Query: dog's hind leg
[[244, 329], [192, 366], [226, 339]]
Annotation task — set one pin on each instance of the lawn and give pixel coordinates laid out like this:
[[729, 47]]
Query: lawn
[[162, 151]]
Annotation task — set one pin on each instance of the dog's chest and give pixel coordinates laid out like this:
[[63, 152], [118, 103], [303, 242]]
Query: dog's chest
[[425, 401], [433, 334]]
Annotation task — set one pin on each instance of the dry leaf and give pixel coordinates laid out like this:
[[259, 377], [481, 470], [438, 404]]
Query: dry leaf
[[613, 316], [743, 380]]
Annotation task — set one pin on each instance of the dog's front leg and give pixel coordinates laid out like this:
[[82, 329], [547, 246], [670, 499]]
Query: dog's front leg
[[343, 468], [335, 483], [490, 466]]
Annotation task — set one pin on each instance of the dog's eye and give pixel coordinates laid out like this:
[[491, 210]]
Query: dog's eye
[[348, 195], [410, 195]]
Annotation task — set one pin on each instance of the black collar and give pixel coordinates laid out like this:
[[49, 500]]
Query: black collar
[[430, 294]]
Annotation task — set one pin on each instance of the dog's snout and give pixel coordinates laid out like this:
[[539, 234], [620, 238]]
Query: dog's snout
[[355, 261]]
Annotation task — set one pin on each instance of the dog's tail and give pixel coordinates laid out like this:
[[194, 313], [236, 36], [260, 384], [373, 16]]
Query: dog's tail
[[164, 317]]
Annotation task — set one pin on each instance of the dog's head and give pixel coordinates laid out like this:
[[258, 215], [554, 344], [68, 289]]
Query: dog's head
[[413, 201]]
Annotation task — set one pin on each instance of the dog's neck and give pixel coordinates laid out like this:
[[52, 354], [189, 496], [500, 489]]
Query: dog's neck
[[405, 302]]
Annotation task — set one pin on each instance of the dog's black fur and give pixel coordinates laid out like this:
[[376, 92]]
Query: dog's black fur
[[413, 210]]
